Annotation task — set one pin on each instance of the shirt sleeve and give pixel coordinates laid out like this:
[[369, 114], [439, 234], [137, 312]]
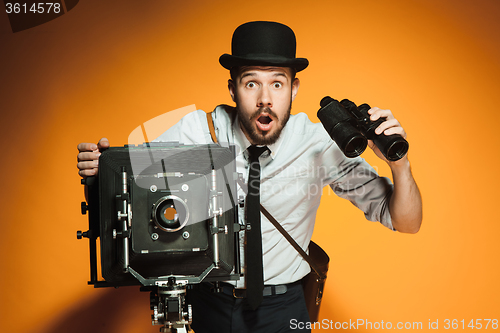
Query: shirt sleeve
[[357, 181]]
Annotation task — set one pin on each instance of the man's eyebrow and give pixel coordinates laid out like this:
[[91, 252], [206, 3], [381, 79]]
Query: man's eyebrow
[[254, 74], [281, 74], [246, 74]]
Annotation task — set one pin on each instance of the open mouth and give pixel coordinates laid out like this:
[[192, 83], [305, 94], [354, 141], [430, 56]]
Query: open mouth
[[264, 122]]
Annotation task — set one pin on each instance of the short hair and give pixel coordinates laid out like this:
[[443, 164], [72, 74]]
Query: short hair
[[235, 71]]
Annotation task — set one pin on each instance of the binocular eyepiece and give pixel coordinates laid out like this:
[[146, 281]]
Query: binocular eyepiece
[[351, 128]]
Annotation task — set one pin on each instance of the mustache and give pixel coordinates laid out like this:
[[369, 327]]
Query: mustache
[[263, 109]]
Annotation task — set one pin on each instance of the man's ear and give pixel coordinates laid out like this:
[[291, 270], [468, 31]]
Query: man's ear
[[231, 87], [295, 87]]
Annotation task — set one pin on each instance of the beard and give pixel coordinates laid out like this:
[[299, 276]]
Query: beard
[[263, 138]]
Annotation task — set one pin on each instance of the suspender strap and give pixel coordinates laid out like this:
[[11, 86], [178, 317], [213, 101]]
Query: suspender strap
[[211, 127], [271, 218]]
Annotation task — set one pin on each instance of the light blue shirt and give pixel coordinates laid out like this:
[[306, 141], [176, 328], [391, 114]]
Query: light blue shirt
[[301, 162]]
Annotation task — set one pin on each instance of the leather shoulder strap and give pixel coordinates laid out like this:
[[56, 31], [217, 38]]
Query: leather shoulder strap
[[279, 227]]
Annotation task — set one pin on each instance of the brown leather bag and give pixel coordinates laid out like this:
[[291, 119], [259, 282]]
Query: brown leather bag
[[313, 283]]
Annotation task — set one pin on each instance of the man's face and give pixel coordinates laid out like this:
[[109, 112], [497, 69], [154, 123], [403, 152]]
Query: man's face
[[263, 97]]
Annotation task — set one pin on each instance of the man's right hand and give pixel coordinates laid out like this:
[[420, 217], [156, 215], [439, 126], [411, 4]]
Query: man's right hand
[[88, 157]]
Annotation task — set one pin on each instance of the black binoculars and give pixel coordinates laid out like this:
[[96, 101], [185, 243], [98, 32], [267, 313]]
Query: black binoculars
[[351, 128]]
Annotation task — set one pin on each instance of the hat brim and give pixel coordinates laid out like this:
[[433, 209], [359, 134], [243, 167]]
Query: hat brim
[[229, 61]]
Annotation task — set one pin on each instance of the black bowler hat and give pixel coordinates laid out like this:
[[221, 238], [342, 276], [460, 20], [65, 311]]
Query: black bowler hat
[[263, 43]]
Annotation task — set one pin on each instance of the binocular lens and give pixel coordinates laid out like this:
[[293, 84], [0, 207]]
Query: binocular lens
[[355, 146], [396, 149], [339, 125]]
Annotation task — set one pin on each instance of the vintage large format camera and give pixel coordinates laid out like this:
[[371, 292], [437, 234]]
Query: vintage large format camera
[[350, 127], [166, 218]]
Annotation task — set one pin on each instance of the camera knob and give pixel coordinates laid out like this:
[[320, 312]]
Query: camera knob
[[80, 234], [84, 207]]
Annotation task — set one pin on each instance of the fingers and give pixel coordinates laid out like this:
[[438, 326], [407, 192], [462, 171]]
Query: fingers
[[390, 126], [376, 113], [88, 172], [88, 163], [103, 144], [86, 146], [88, 157], [87, 167], [84, 165]]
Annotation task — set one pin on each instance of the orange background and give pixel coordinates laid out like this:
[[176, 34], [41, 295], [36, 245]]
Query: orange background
[[106, 67]]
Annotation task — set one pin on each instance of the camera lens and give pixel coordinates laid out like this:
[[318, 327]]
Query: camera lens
[[170, 213]]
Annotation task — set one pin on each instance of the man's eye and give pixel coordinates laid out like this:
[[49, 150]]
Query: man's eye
[[250, 84], [277, 85]]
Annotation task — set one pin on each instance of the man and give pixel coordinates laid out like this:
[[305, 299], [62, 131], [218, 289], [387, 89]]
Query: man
[[297, 160]]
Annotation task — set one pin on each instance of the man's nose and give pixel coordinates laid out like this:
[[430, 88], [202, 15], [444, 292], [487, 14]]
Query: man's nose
[[265, 98]]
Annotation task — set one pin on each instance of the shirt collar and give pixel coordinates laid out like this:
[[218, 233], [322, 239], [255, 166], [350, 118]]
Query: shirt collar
[[242, 141]]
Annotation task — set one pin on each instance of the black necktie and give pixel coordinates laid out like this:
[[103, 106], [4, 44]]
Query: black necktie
[[254, 276]]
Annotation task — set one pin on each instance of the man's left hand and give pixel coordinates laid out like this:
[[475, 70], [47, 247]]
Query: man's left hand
[[405, 204], [390, 126]]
